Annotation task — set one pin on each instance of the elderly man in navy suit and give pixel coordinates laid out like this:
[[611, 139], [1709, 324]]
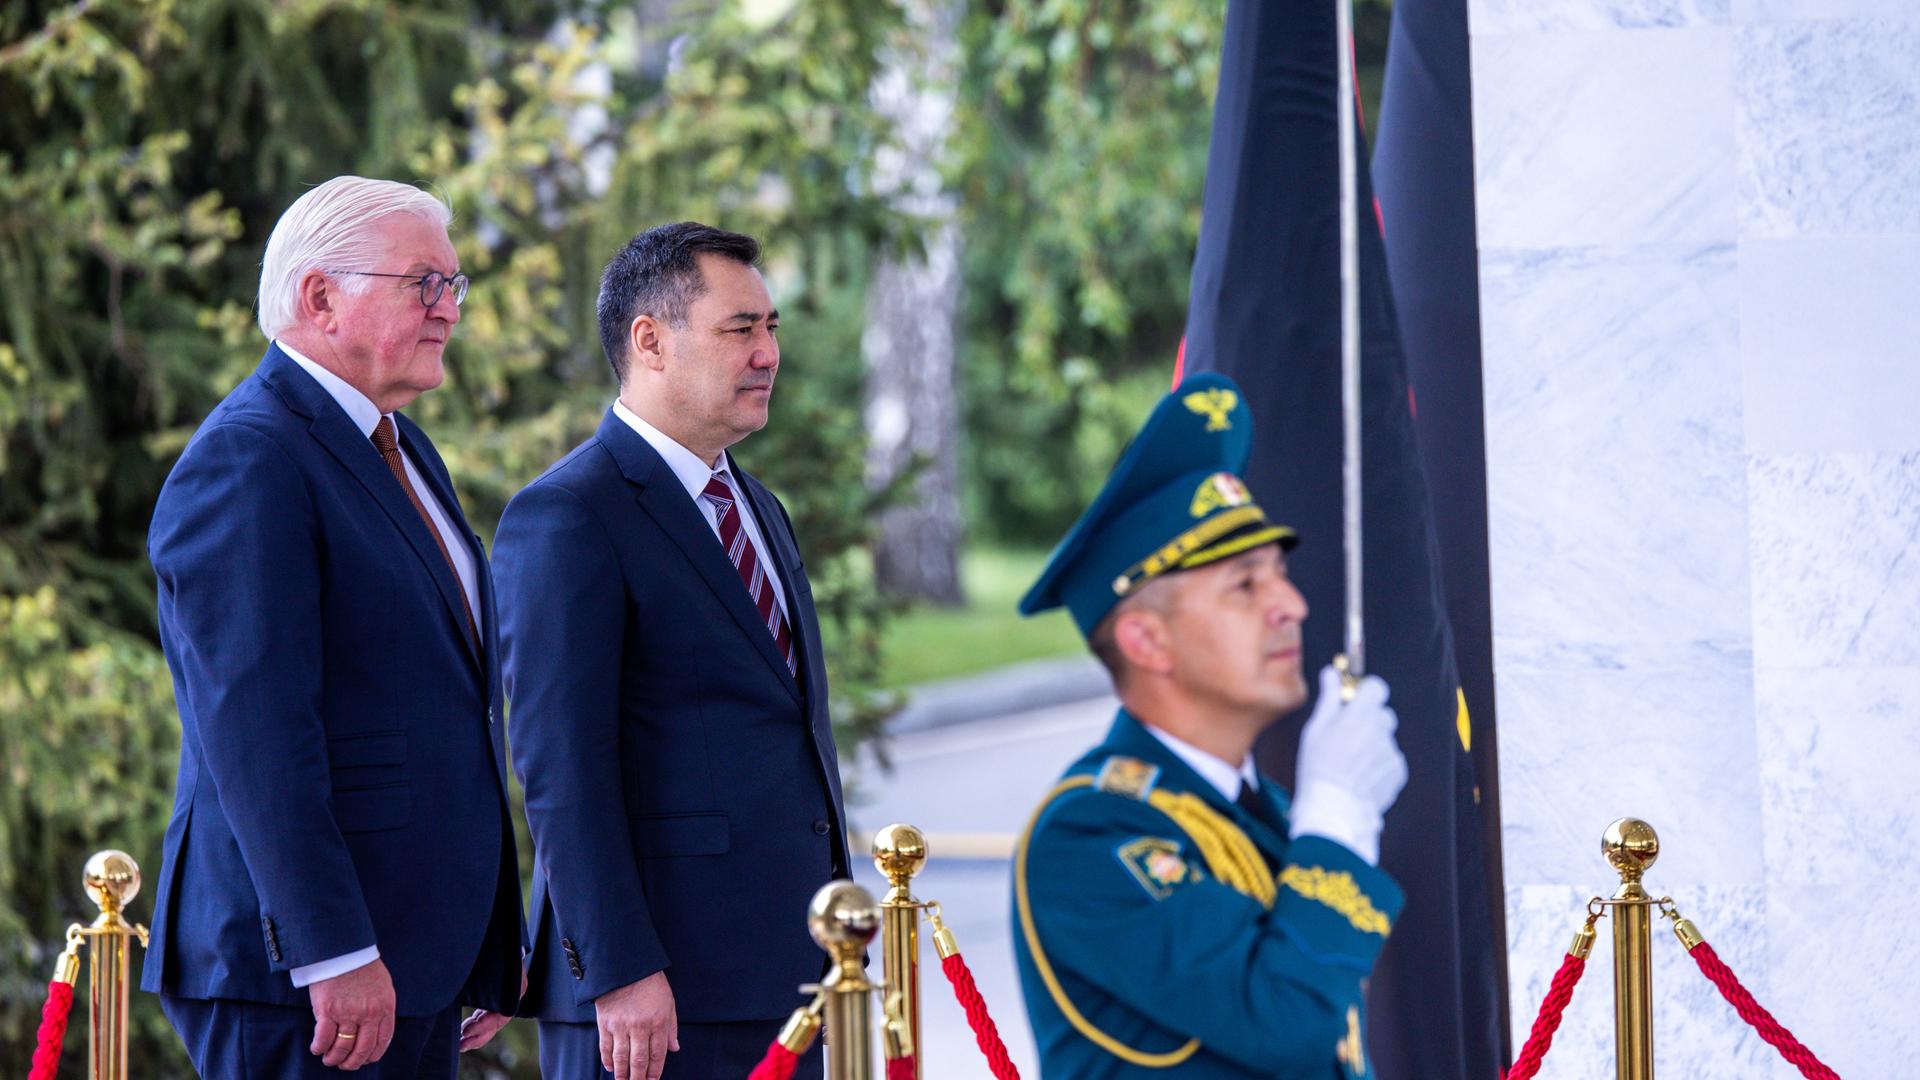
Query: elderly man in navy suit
[[669, 697], [339, 872]]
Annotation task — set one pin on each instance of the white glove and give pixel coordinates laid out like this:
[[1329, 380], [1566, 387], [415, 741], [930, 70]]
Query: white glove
[[1349, 769]]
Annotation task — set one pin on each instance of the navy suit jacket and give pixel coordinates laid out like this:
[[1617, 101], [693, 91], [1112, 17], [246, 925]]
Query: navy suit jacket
[[342, 759], [683, 789]]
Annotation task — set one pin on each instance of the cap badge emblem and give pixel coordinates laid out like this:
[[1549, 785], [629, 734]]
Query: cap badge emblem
[[1219, 492], [1215, 405]]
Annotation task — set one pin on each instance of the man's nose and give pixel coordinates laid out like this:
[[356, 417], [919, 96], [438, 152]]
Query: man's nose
[[445, 309], [1287, 604]]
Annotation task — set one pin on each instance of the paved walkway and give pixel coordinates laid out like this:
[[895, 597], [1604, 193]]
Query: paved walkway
[[970, 785]]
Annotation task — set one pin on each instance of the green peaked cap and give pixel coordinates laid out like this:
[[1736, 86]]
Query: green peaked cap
[[1173, 501]]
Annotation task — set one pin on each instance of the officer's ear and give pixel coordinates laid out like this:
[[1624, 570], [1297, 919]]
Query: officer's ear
[[1142, 636]]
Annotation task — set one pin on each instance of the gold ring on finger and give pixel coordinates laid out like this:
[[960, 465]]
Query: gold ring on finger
[[347, 1035]]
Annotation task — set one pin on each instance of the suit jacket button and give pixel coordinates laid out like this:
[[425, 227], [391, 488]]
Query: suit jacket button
[[821, 828]]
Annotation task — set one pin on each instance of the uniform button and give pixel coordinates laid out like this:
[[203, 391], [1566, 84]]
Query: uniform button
[[821, 828]]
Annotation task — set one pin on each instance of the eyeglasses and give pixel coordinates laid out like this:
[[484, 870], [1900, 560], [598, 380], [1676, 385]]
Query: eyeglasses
[[433, 284]]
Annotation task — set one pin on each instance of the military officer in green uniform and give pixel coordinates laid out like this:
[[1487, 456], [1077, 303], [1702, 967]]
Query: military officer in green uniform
[[1176, 914]]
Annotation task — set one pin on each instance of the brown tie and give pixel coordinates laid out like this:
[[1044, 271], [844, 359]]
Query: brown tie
[[389, 447]]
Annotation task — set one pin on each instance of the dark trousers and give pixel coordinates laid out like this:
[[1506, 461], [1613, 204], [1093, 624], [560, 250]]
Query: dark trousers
[[269, 1042], [707, 1052]]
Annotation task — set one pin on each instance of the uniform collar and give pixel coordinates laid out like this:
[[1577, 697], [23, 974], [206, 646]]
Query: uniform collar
[[1129, 737], [1224, 778], [359, 407]]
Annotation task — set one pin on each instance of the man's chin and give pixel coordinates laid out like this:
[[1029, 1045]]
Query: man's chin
[[429, 370], [1291, 693], [751, 419]]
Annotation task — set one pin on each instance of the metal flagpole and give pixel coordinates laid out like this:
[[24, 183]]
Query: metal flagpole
[[1349, 342]]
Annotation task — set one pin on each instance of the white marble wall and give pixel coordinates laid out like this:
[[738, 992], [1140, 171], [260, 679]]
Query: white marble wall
[[1700, 302]]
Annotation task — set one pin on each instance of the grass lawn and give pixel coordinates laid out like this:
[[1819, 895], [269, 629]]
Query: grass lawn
[[926, 643]]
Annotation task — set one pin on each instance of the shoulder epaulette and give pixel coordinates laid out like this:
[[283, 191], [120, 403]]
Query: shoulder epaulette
[[1127, 776]]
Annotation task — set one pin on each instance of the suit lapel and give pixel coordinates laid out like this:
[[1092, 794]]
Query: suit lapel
[[426, 461], [332, 429], [664, 500]]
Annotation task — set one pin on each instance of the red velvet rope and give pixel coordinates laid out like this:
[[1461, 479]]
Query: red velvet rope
[[777, 1065], [984, 1032], [53, 1030], [1763, 1022], [900, 1068], [1548, 1021]]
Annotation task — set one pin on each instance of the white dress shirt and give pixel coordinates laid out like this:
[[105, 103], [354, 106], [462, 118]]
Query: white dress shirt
[[1225, 779], [693, 475], [365, 415]]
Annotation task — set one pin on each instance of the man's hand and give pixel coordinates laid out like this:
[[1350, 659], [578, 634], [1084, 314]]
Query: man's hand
[[352, 1017], [638, 1026], [481, 1025], [1350, 769]]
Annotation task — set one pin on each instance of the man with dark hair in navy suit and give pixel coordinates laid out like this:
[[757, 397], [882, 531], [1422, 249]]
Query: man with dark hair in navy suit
[[669, 697], [339, 872]]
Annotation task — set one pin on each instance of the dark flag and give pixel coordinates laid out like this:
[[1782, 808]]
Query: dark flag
[[1423, 166], [1265, 310]]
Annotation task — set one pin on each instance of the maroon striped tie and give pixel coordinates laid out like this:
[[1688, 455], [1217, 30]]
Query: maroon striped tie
[[747, 561]]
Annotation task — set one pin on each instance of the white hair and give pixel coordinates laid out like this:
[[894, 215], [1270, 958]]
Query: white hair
[[332, 228]]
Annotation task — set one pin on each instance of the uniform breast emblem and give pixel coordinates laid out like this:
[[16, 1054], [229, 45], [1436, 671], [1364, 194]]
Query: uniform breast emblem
[[1156, 864]]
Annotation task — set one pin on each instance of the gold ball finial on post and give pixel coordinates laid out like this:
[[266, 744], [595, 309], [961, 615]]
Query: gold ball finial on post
[[899, 852], [1631, 846], [112, 880], [842, 919]]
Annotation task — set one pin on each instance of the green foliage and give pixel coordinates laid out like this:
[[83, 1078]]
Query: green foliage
[[146, 148], [930, 642], [1080, 168], [1080, 161]]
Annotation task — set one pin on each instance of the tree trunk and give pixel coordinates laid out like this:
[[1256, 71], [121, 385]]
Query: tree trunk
[[912, 413]]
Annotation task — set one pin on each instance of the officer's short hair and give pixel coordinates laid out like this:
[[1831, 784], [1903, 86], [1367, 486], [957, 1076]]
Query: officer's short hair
[[657, 273], [1105, 648], [1104, 643]]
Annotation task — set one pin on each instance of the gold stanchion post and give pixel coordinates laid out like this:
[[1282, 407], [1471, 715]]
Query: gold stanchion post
[[1631, 846], [899, 851], [112, 881], [843, 918]]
